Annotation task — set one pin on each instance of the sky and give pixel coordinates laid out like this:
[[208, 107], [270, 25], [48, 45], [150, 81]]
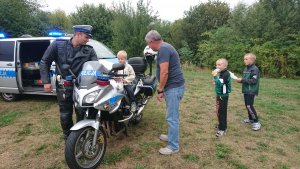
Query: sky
[[167, 9]]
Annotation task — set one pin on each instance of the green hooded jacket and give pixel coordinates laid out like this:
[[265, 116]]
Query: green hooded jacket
[[251, 80], [223, 83]]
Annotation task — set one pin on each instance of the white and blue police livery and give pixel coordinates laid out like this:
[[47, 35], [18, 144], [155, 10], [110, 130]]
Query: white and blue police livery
[[19, 63]]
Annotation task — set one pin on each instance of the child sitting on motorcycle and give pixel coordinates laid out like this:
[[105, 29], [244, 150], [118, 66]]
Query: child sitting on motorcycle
[[127, 80]]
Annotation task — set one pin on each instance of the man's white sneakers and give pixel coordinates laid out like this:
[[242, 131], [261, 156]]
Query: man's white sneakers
[[167, 151], [163, 137]]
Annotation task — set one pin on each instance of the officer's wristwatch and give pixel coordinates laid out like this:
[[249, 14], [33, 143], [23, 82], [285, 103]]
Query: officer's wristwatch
[[159, 91]]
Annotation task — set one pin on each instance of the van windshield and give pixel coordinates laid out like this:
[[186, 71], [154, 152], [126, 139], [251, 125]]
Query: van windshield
[[101, 50]]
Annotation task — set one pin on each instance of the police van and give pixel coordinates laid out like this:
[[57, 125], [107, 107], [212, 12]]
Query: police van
[[19, 64]]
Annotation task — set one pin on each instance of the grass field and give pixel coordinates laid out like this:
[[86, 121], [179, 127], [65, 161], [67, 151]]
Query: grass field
[[31, 136]]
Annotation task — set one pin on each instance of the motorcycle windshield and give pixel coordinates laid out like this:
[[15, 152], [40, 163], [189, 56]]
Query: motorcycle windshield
[[88, 75]]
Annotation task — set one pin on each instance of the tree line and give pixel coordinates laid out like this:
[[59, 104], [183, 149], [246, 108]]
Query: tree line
[[268, 28]]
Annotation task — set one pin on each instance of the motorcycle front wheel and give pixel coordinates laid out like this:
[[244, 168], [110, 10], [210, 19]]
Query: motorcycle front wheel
[[80, 152]]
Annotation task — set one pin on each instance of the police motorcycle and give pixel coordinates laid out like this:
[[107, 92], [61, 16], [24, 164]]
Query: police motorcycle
[[106, 106]]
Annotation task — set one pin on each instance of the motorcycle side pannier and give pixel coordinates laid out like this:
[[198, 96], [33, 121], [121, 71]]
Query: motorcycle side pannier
[[138, 64]]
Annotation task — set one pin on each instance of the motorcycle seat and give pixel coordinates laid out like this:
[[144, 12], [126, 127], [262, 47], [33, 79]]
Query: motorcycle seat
[[149, 80]]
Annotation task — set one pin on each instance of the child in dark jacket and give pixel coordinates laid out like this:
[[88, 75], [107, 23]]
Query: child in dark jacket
[[250, 88], [222, 81]]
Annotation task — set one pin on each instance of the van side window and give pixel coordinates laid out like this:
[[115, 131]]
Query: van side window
[[7, 50]]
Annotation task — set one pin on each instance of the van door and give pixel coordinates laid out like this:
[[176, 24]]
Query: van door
[[8, 74], [30, 53]]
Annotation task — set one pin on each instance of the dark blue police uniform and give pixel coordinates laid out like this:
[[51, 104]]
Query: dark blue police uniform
[[62, 52]]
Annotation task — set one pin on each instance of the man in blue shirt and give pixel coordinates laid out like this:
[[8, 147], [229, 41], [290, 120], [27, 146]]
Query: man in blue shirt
[[171, 87]]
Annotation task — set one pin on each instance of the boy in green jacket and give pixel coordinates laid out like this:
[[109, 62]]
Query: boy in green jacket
[[250, 88], [222, 81]]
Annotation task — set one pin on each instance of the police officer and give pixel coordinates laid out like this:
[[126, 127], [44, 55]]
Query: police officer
[[75, 53]]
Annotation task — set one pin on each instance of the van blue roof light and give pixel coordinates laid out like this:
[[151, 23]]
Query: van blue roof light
[[56, 34], [2, 35]]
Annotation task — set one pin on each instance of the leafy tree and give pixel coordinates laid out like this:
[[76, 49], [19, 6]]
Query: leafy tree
[[186, 54], [99, 17], [267, 28], [60, 21], [177, 35], [202, 18], [164, 29], [130, 26], [16, 16], [41, 24], [222, 43]]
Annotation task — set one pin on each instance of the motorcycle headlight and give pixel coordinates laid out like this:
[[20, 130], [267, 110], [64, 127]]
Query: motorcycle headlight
[[89, 98]]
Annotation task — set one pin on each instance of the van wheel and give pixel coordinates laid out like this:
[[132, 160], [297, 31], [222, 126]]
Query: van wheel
[[9, 97]]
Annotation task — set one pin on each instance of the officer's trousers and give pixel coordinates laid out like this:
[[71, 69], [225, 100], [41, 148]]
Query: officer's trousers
[[65, 102]]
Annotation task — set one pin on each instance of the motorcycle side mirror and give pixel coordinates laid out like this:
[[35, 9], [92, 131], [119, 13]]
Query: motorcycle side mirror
[[117, 66]]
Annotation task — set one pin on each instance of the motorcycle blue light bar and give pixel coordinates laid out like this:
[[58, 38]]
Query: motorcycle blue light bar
[[69, 78], [2, 35], [56, 34], [103, 77]]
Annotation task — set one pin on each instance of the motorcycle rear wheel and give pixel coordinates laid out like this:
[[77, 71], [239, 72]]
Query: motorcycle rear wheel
[[79, 152]]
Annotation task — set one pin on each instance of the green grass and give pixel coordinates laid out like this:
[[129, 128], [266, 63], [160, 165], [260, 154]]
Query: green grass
[[31, 130], [141, 166], [237, 164], [148, 146], [41, 149], [117, 156], [26, 130], [222, 151], [10, 117], [282, 166], [262, 158], [298, 147], [112, 158], [49, 127], [126, 150], [190, 157], [261, 146]]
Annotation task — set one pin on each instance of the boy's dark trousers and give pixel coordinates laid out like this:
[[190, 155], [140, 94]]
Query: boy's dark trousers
[[222, 102], [249, 101], [130, 93]]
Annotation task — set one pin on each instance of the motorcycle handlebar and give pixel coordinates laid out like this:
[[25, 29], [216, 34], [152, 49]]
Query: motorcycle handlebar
[[120, 75]]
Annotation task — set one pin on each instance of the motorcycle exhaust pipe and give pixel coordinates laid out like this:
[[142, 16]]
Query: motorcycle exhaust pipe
[[128, 118], [140, 110]]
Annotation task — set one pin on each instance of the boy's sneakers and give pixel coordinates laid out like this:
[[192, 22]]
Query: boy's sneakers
[[220, 133], [133, 107], [256, 126], [247, 121], [167, 151], [163, 137]]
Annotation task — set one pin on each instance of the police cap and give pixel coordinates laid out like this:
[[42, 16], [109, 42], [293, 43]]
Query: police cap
[[83, 28]]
